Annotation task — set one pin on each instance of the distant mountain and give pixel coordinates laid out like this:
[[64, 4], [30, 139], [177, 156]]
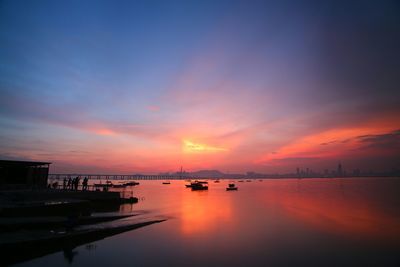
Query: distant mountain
[[208, 173]]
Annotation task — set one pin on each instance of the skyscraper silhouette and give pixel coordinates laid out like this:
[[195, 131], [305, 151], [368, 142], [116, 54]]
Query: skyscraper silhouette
[[339, 170]]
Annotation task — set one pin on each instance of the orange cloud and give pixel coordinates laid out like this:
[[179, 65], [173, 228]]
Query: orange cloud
[[327, 144]]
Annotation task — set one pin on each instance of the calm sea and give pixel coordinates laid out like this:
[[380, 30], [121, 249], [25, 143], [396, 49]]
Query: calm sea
[[288, 222]]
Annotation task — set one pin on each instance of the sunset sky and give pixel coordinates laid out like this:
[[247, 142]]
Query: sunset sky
[[149, 86]]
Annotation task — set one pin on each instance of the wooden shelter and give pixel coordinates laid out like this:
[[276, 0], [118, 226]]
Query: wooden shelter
[[23, 174]]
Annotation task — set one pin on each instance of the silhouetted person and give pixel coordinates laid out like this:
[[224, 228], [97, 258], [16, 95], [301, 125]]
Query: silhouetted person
[[85, 183], [69, 184], [65, 183], [77, 182], [73, 182]]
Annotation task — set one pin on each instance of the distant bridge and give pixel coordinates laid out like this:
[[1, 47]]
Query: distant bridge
[[55, 176]]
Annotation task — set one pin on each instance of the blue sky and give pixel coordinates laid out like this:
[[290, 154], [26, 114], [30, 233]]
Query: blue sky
[[136, 80]]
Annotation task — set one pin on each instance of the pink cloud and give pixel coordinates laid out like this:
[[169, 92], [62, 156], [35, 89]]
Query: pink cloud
[[153, 108]]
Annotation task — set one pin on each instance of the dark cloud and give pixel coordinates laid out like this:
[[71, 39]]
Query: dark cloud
[[296, 159], [329, 143], [388, 141], [13, 156], [358, 49]]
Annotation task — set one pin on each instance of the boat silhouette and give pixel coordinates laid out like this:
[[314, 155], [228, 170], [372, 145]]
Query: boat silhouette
[[231, 187]]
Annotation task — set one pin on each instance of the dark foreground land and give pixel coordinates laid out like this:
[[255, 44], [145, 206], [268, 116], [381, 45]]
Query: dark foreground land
[[36, 223]]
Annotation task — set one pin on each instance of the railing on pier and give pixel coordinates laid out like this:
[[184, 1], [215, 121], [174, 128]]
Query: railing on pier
[[123, 192]]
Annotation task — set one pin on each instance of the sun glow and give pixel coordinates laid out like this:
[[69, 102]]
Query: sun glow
[[191, 147], [104, 131]]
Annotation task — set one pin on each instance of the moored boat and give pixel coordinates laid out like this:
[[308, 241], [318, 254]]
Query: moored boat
[[198, 185], [231, 187], [107, 184], [133, 183], [195, 183], [119, 186]]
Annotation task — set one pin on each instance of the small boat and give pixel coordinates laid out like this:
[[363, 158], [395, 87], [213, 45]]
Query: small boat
[[167, 182], [107, 184], [231, 187], [198, 185], [119, 186], [216, 181], [240, 181], [133, 183]]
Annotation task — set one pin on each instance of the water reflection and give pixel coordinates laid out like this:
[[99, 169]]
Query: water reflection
[[69, 254], [340, 207], [201, 213], [362, 208], [308, 222]]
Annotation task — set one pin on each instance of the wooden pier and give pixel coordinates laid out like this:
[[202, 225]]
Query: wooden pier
[[60, 177]]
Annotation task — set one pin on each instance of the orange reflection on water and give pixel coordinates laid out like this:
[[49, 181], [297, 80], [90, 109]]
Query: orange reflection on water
[[201, 213], [334, 208]]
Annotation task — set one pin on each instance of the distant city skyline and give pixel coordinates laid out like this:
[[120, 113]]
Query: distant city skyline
[[139, 86], [303, 172]]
